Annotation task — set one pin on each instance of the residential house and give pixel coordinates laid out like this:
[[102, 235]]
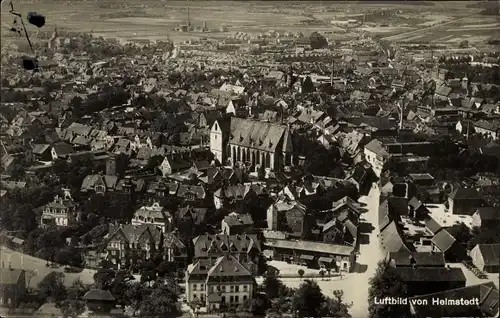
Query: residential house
[[154, 215], [173, 163], [489, 128], [13, 286], [174, 250], [99, 301], [424, 306], [313, 254], [43, 152], [486, 257], [99, 183], [61, 150], [258, 142], [193, 216], [233, 196], [60, 212], [418, 210], [289, 216], [379, 152], [128, 244], [222, 284], [464, 201], [486, 217], [237, 224], [425, 280], [245, 248], [444, 242], [192, 193], [416, 259]]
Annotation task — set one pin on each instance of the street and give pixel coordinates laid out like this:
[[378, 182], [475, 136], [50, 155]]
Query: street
[[18, 260], [355, 285]]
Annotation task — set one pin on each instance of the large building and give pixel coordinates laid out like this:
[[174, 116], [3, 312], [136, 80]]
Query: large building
[[225, 283], [259, 143]]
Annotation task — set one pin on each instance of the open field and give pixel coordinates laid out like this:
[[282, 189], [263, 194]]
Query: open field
[[155, 20]]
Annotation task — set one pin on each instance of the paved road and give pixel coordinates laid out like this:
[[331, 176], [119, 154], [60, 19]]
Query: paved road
[[18, 260], [404, 35], [355, 285]]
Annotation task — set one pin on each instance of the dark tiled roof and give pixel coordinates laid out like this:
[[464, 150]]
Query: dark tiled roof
[[234, 219], [488, 213], [465, 194], [432, 225], [490, 253], [431, 274], [98, 294], [486, 293], [257, 134], [206, 244]]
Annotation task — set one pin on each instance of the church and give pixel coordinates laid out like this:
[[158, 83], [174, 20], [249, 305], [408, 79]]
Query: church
[[235, 140]]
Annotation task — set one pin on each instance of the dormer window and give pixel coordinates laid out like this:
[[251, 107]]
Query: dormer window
[[241, 137], [261, 142], [270, 144]]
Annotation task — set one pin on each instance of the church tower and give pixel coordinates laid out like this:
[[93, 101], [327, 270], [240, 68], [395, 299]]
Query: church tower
[[217, 143]]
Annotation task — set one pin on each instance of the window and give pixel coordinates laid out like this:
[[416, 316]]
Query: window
[[195, 286], [231, 289], [212, 289], [237, 299], [237, 288], [245, 288], [202, 286], [231, 299], [216, 127], [245, 297]]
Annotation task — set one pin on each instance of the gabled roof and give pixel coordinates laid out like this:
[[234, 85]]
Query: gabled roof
[[227, 266], [490, 253], [222, 243], [234, 219], [464, 194], [488, 213], [392, 239], [98, 294]]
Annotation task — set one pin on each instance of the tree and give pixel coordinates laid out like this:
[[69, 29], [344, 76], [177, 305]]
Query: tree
[[300, 272], [196, 304], [336, 307], [259, 305], [103, 278], [69, 256], [71, 308], [308, 300], [461, 233], [163, 301], [52, 287], [317, 40], [274, 287], [148, 272], [136, 293], [386, 283]]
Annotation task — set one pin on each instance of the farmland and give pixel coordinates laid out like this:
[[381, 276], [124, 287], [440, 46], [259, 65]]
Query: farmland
[[449, 22]]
